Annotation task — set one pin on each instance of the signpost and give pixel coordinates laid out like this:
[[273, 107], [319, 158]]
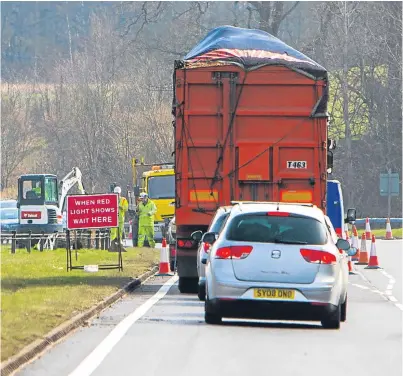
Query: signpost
[[389, 186], [97, 211]]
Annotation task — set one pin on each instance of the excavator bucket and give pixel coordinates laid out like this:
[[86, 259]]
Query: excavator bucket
[[115, 247]]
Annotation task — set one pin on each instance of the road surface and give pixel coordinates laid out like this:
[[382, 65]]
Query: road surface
[[163, 333]]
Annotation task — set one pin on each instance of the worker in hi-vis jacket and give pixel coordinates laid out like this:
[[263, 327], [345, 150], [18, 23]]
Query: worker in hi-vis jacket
[[146, 211], [123, 208]]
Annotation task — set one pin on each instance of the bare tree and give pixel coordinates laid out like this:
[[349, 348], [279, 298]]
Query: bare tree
[[18, 138]]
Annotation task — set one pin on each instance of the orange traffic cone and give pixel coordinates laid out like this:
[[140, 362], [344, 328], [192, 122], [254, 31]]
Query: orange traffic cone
[[363, 251], [367, 229], [350, 266], [388, 235], [164, 259], [373, 258], [356, 257]]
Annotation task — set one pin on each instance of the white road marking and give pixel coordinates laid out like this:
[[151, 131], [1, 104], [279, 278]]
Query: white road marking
[[92, 361], [388, 294], [400, 306], [360, 286]]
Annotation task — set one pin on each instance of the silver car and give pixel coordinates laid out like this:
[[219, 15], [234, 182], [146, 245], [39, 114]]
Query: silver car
[[215, 226], [277, 261]]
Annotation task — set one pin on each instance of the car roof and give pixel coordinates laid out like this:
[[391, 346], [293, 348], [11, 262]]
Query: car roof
[[225, 209], [302, 209]]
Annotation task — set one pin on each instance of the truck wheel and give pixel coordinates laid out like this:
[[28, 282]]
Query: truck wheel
[[187, 285]]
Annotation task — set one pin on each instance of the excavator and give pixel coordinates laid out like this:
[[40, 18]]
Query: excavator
[[41, 202]]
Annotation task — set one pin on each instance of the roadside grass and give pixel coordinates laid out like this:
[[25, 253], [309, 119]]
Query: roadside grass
[[38, 294], [397, 232]]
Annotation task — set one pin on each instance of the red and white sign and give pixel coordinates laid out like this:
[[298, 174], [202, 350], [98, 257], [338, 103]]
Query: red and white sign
[[92, 211], [31, 215]]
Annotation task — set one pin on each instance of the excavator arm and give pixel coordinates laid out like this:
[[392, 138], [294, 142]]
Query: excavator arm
[[72, 178]]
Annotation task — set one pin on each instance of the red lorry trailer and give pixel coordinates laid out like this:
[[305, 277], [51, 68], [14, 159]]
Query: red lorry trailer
[[250, 125]]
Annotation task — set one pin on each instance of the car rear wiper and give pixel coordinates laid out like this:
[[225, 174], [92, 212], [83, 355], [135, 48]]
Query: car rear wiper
[[282, 241]]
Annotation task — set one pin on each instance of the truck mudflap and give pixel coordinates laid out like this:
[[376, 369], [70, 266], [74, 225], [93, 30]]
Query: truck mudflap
[[186, 263]]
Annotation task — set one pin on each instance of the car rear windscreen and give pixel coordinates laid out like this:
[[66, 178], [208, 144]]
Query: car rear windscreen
[[262, 228]]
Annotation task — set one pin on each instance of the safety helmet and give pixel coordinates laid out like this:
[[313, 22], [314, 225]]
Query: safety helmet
[[117, 190], [143, 195]]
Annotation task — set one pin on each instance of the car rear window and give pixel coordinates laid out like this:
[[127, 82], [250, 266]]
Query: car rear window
[[270, 229], [217, 225]]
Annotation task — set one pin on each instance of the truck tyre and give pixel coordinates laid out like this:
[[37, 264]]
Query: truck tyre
[[172, 265], [187, 285]]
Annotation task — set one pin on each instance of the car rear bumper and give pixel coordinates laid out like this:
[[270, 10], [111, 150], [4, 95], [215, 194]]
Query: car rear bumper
[[317, 293], [269, 310]]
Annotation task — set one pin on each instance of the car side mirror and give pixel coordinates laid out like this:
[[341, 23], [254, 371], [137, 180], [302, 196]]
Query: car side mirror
[[197, 235], [351, 215], [209, 237], [343, 244], [352, 251]]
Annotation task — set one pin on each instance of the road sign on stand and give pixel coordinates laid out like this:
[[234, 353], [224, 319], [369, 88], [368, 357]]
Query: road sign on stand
[[97, 211], [389, 186]]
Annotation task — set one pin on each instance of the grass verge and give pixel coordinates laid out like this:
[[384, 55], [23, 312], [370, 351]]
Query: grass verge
[[397, 232], [38, 294]]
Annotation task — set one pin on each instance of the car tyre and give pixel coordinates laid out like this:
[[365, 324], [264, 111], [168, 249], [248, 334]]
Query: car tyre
[[332, 320], [201, 292], [210, 317], [343, 316]]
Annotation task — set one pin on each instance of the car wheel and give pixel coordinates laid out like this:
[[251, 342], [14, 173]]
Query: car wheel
[[344, 311], [210, 317], [187, 285], [332, 320], [201, 292]]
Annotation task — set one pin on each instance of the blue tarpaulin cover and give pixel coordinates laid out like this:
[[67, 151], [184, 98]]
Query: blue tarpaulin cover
[[248, 48]]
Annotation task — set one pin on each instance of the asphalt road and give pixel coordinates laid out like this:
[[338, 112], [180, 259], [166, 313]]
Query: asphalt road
[[165, 334]]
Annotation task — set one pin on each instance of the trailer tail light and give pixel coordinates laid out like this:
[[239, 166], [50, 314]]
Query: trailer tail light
[[234, 252], [318, 257], [185, 243], [206, 247], [278, 214], [172, 250]]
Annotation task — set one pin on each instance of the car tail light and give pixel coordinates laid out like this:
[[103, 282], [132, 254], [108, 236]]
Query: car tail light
[[278, 214], [185, 243], [318, 257], [235, 252], [206, 247]]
